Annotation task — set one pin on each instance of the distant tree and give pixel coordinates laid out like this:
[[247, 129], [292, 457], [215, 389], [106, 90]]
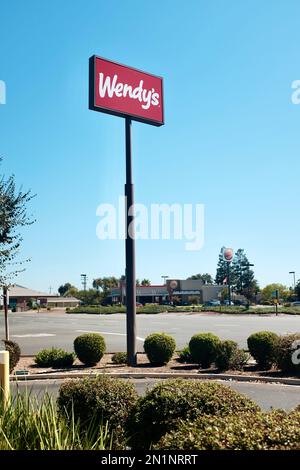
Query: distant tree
[[205, 278], [221, 273], [268, 290], [89, 296], [105, 284], [297, 290], [137, 282], [64, 288], [13, 217], [123, 277], [98, 283], [72, 292], [242, 276], [145, 282]]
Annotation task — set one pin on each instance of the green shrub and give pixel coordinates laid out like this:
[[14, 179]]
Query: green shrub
[[119, 358], [55, 357], [89, 348], [225, 353], [245, 431], [159, 348], [102, 399], [170, 401], [285, 351], [204, 348], [239, 359], [185, 355], [263, 348], [14, 353]]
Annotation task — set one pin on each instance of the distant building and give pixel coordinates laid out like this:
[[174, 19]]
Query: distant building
[[184, 290], [20, 297]]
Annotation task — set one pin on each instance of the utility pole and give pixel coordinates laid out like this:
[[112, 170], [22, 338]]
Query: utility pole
[[294, 275]]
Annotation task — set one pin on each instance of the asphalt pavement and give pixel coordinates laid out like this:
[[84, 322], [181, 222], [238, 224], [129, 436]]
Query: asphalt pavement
[[35, 331], [266, 395]]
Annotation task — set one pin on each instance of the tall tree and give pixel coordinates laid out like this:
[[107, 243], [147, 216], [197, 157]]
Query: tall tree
[[13, 216], [221, 273], [98, 283], [64, 288], [205, 278], [242, 276], [145, 282], [297, 290]]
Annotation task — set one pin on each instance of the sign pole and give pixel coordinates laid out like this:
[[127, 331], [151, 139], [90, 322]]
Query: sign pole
[[130, 252], [228, 283], [5, 306]]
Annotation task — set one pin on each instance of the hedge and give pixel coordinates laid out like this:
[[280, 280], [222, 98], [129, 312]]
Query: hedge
[[99, 400], [276, 430], [177, 399]]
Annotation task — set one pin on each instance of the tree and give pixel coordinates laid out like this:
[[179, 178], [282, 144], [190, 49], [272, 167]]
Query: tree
[[221, 273], [98, 283], [297, 289], [205, 278], [145, 282], [63, 289], [137, 283], [242, 276], [13, 216], [267, 292]]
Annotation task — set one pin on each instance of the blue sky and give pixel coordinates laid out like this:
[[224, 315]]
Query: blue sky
[[230, 142]]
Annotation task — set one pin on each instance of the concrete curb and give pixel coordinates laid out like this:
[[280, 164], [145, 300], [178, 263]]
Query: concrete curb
[[138, 375]]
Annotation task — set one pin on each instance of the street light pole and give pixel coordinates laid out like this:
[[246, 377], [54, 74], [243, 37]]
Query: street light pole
[[294, 275]]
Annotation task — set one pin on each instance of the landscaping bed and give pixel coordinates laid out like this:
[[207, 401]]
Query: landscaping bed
[[144, 367]]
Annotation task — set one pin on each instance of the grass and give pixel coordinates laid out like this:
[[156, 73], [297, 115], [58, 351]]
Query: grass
[[32, 423]]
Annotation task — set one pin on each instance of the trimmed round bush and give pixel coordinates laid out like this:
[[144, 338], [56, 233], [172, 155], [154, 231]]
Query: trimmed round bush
[[263, 348], [170, 401], [14, 353], [119, 358], [159, 348], [89, 348], [54, 357], [99, 400], [288, 353], [204, 348], [277, 430]]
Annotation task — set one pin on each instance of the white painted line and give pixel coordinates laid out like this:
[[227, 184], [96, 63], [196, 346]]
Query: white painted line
[[108, 333], [37, 335]]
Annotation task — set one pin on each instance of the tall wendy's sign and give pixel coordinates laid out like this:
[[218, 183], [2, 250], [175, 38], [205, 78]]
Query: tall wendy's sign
[[134, 95], [125, 92]]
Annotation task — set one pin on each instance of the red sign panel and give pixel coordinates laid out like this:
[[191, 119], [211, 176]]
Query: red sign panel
[[126, 92]]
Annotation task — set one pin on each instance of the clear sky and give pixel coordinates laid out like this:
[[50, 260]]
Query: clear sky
[[230, 142]]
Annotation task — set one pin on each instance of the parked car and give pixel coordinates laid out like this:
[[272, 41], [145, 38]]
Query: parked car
[[138, 304], [212, 303], [226, 302], [296, 303]]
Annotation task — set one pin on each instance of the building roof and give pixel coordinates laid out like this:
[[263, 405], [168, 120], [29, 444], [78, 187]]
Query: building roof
[[16, 290], [62, 299]]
